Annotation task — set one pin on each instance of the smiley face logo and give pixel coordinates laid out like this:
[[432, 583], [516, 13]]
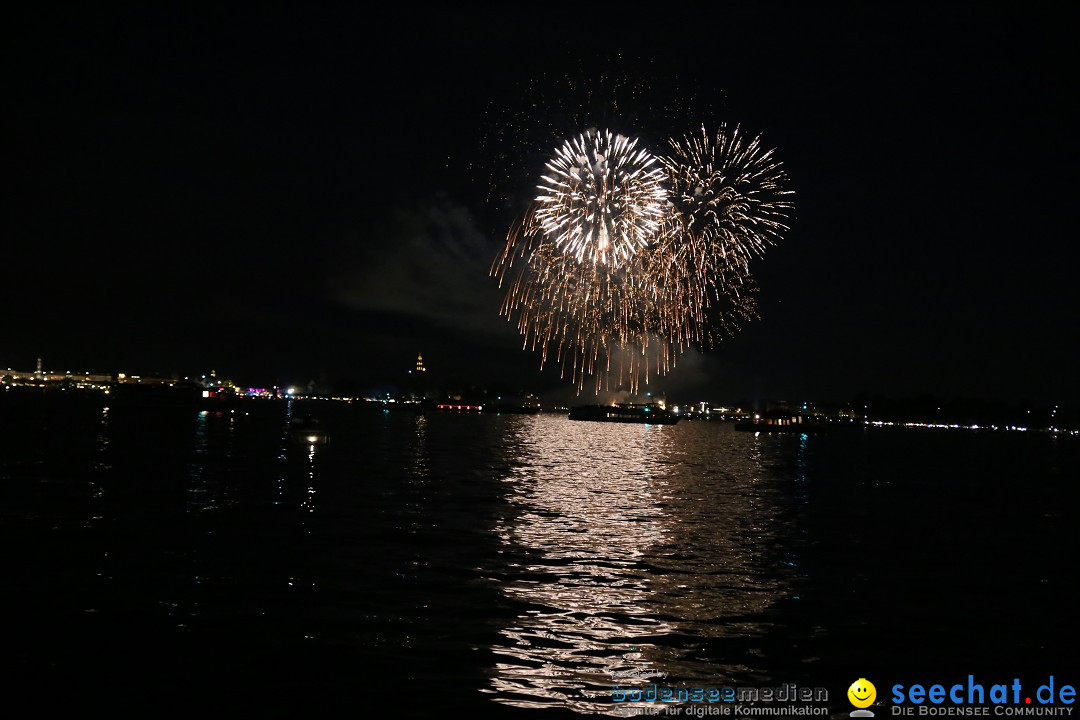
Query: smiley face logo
[[862, 693]]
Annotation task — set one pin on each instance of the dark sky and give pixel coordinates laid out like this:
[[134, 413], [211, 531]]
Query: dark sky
[[282, 194]]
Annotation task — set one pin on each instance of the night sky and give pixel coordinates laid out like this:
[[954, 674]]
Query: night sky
[[291, 194]]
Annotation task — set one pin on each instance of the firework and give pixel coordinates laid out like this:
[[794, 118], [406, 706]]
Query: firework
[[624, 259], [601, 199], [729, 203]]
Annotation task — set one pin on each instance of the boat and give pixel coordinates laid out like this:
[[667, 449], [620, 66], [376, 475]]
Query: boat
[[512, 409], [513, 405], [649, 413], [782, 422], [308, 431]]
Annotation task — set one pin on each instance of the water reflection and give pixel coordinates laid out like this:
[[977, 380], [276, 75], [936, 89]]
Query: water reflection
[[211, 462], [101, 444], [101, 464], [297, 460], [419, 451], [308, 501], [283, 453], [635, 550]]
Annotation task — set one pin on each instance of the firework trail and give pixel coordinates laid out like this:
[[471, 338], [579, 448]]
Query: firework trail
[[625, 259], [596, 318]]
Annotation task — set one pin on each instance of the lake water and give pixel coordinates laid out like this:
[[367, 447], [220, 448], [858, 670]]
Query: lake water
[[159, 561]]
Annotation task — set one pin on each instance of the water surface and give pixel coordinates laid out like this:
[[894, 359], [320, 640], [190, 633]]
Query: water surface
[[161, 560]]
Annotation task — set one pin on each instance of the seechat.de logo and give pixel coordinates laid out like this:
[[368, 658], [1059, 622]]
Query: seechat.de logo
[[978, 698]]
